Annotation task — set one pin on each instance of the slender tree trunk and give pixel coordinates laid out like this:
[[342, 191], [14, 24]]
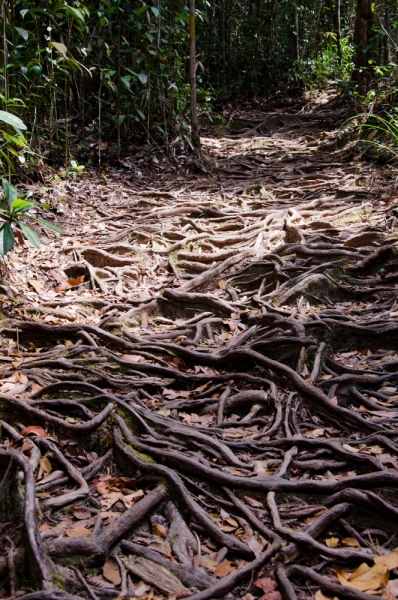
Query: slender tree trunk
[[362, 40], [296, 24], [338, 31], [192, 76], [5, 48]]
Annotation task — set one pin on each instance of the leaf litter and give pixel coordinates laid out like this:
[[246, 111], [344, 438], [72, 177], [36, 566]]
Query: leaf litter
[[185, 352]]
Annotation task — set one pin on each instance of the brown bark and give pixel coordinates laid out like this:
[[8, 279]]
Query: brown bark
[[362, 40]]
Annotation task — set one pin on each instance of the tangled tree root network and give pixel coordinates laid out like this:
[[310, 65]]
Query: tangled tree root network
[[199, 385]]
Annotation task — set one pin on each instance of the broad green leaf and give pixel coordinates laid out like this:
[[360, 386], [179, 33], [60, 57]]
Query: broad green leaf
[[142, 9], [20, 206], [12, 120], [155, 11], [23, 33], [126, 80], [30, 234], [48, 223], [62, 49], [10, 192], [7, 239], [74, 12]]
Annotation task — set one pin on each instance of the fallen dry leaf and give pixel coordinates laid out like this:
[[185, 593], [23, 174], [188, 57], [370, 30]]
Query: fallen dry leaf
[[224, 568], [132, 358], [390, 561], [36, 285], [34, 430], [266, 584], [81, 513], [78, 532], [350, 448], [252, 502], [111, 571], [159, 529], [350, 542], [99, 582]]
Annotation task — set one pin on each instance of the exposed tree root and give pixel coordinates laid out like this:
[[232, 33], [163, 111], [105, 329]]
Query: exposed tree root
[[215, 408]]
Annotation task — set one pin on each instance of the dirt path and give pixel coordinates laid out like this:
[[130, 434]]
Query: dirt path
[[199, 380]]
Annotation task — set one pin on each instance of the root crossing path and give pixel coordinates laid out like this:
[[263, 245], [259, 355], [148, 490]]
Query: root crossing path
[[199, 381]]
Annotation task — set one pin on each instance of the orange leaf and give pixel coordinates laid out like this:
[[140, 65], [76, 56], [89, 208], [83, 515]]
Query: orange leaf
[[224, 568], [35, 430], [78, 281]]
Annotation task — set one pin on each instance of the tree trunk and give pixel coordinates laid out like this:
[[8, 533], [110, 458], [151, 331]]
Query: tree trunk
[[362, 40], [338, 31], [192, 76]]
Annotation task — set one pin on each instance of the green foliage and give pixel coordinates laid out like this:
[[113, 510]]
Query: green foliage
[[13, 143], [380, 132], [12, 210], [116, 72], [330, 64]]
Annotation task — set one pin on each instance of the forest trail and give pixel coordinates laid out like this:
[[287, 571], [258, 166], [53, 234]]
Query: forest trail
[[202, 374]]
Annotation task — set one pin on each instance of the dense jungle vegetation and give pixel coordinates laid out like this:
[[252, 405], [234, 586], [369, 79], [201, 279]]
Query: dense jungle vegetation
[[105, 75]]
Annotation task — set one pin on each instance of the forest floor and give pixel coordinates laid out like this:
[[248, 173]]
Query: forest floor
[[199, 380]]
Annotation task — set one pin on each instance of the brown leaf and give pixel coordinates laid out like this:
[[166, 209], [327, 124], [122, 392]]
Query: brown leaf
[[52, 477], [252, 502], [99, 582], [57, 276], [19, 236], [315, 433], [45, 464], [62, 287], [266, 584], [332, 542], [81, 513], [224, 568], [34, 430], [111, 571], [159, 529], [78, 532], [45, 527], [36, 285]]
